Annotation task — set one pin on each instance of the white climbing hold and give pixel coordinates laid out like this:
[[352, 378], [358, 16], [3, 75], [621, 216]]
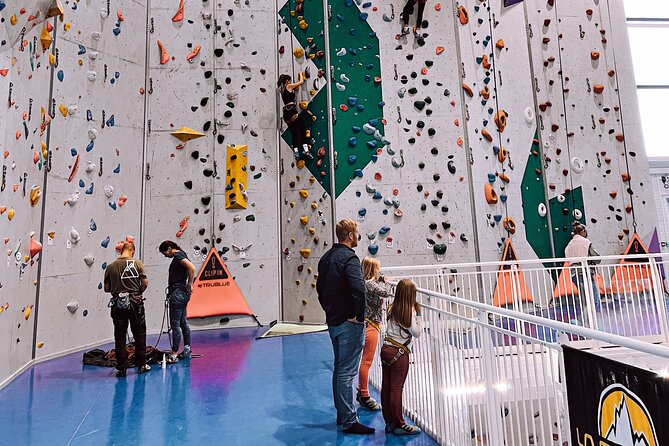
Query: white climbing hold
[[561, 198], [547, 144], [390, 150], [578, 214], [74, 236], [344, 78], [73, 198], [396, 162], [542, 210], [92, 75], [341, 52], [529, 115], [340, 87], [89, 260], [92, 134], [232, 95], [244, 127], [109, 191], [72, 306], [90, 166], [93, 55], [95, 35], [104, 13], [577, 165], [72, 110], [369, 188], [368, 128]]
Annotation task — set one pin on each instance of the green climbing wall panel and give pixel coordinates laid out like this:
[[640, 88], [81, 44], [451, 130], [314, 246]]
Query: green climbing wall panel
[[312, 40], [356, 91], [537, 228]]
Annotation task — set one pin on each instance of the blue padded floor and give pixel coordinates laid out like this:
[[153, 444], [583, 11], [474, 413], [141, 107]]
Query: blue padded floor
[[241, 392]]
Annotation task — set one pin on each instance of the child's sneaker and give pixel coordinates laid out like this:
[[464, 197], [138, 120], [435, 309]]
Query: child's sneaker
[[368, 403], [406, 429], [171, 359]]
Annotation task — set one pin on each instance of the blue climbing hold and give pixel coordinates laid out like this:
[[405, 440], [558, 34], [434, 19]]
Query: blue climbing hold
[[118, 169], [100, 286], [377, 196], [92, 226], [352, 159], [367, 5], [82, 50], [358, 173], [110, 121], [105, 242], [90, 146], [372, 144], [372, 34], [503, 198], [81, 183], [373, 249], [497, 218], [384, 230], [112, 81], [363, 16], [495, 150], [353, 141], [353, 31], [60, 75], [491, 178], [375, 158], [104, 264], [89, 115], [348, 3], [479, 60], [340, 17], [352, 101], [382, 104], [89, 191], [2, 5], [117, 31], [385, 212], [73, 151], [117, 75], [356, 129], [368, 77], [112, 205], [362, 212], [370, 66], [360, 107], [373, 122]]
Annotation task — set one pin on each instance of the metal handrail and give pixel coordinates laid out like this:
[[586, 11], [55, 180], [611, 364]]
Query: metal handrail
[[525, 262], [652, 349]]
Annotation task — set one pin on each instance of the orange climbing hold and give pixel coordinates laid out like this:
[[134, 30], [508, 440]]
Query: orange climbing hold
[[193, 53], [502, 155], [511, 286], [119, 15], [500, 44], [490, 194], [486, 135], [504, 177], [468, 90], [439, 50], [500, 120], [598, 88], [75, 167], [164, 57], [485, 62], [509, 224], [463, 15], [183, 224], [179, 16]]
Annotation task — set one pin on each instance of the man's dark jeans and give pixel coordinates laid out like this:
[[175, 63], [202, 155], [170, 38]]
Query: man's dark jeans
[[135, 316], [347, 342]]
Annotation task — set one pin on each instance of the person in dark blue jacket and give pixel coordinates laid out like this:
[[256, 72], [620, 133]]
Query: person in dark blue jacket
[[341, 292]]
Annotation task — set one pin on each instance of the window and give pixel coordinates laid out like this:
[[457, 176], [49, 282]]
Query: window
[[648, 26]]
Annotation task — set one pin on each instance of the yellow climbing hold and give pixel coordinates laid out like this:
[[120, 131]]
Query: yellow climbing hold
[[51, 234], [67, 26], [13, 19], [304, 193], [298, 52], [312, 179], [312, 231], [55, 10], [63, 110], [304, 104], [52, 59], [300, 164], [186, 134], [303, 24], [304, 220], [10, 214], [292, 204], [35, 195], [314, 205], [26, 313], [305, 252], [46, 39], [40, 344]]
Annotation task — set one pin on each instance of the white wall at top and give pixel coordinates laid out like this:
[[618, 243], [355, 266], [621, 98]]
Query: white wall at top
[[118, 64]]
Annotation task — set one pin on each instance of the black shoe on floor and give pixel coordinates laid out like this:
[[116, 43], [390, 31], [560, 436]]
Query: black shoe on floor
[[143, 369], [121, 373], [359, 429]]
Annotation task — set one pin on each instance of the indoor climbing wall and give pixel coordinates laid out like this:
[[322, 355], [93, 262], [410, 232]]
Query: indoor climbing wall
[[306, 184], [24, 80], [94, 182], [211, 152], [410, 194]]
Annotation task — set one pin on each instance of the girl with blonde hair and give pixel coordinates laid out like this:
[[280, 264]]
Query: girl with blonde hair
[[404, 323], [377, 290]]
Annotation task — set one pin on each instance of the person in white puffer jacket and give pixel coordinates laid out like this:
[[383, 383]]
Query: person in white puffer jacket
[[581, 247]]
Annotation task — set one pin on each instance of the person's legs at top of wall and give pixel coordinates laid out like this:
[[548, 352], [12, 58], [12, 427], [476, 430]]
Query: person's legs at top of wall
[[368, 352], [347, 341], [407, 12], [298, 132]]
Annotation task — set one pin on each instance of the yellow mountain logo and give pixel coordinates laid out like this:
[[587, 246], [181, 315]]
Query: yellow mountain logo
[[624, 419]]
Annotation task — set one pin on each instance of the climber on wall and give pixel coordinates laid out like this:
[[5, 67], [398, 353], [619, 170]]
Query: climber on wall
[[580, 247], [406, 13], [291, 114]]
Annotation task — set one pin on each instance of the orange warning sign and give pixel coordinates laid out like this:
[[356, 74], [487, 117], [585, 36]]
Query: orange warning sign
[[214, 291], [633, 275], [510, 282]]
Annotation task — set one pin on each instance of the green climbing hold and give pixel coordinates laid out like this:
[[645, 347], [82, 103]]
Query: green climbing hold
[[250, 217]]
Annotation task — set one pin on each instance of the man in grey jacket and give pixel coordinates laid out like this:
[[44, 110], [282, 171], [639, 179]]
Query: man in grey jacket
[[341, 292]]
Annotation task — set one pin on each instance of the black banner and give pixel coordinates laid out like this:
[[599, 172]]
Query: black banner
[[615, 404]]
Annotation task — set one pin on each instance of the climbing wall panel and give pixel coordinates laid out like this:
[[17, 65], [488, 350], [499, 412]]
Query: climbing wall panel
[[95, 182], [304, 184], [25, 87], [405, 201]]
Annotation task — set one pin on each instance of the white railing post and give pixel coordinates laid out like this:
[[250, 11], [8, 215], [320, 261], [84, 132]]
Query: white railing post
[[494, 431], [589, 299], [660, 301]]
